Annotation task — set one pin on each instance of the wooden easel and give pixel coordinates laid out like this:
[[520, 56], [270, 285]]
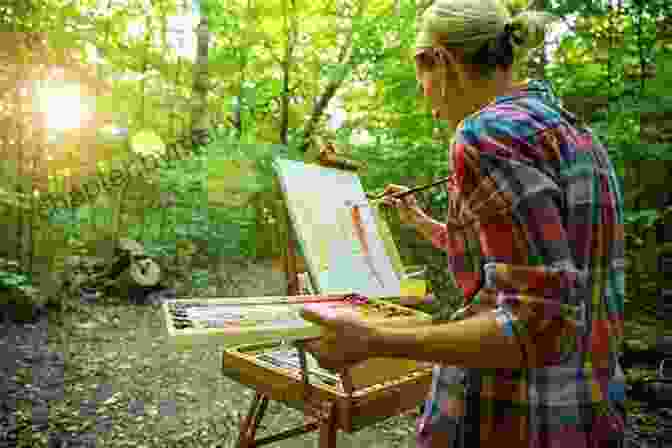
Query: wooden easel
[[322, 416], [386, 394], [289, 264]]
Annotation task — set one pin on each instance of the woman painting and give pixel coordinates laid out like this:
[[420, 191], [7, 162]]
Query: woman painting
[[532, 361]]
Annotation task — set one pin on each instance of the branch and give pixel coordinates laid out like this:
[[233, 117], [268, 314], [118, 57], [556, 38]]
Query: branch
[[269, 47], [289, 52], [344, 59]]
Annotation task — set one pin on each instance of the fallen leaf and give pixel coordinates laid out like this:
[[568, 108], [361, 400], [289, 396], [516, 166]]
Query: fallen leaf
[[112, 399]]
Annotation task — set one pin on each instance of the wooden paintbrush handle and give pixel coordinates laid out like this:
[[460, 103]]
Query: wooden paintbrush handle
[[412, 190]]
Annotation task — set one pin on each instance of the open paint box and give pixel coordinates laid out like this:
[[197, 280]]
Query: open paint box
[[234, 321], [375, 390]]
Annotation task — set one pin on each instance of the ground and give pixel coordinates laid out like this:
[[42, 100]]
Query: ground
[[117, 385], [109, 377]]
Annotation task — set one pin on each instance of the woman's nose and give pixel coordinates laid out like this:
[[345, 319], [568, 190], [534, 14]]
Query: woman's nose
[[427, 86]]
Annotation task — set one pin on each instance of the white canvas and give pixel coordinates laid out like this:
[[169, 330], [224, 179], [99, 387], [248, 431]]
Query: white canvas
[[316, 198]]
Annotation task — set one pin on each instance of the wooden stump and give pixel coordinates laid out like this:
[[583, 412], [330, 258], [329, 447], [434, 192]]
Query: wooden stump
[[139, 278]]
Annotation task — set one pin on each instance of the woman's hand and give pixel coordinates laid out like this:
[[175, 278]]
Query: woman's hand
[[408, 207], [346, 339]]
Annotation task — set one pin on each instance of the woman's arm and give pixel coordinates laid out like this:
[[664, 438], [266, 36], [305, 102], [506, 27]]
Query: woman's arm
[[477, 342], [496, 339]]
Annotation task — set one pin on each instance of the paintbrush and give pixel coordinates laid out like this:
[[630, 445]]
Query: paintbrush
[[400, 195]]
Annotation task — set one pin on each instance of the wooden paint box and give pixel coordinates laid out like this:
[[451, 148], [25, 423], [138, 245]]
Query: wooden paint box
[[370, 392]]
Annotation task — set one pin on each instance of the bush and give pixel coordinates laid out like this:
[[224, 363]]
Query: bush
[[19, 300]]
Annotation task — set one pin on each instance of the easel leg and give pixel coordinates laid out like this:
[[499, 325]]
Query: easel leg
[[328, 428], [249, 425], [260, 414], [288, 253]]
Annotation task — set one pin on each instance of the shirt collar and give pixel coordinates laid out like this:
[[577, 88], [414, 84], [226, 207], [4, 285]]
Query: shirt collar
[[529, 87]]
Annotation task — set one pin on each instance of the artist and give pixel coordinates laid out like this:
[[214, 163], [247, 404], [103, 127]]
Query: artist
[[533, 360]]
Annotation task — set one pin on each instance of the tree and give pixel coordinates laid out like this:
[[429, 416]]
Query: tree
[[199, 117]]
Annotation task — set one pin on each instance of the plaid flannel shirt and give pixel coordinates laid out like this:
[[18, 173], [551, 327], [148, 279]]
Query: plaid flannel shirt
[[549, 221]]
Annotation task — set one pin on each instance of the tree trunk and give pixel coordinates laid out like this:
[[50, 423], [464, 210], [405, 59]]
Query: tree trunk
[[20, 141], [291, 32], [237, 119], [143, 81], [199, 117], [119, 210]]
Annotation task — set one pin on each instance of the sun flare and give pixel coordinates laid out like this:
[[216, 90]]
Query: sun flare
[[63, 106]]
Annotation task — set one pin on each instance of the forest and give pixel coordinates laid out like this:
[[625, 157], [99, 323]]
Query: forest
[[149, 127]]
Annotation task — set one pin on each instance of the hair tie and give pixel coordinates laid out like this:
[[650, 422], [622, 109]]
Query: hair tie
[[511, 31]]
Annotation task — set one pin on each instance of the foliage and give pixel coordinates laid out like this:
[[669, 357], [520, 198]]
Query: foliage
[[199, 278], [11, 276], [627, 43], [20, 301], [645, 217], [608, 51]]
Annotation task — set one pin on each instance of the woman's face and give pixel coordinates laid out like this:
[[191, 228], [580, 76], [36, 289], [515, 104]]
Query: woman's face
[[465, 91], [429, 77], [425, 73]]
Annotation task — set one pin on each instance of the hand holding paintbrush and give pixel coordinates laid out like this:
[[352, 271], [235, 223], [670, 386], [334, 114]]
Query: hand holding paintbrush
[[399, 192], [401, 198]]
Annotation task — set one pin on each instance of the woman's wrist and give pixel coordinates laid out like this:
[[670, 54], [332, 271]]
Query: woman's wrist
[[419, 215], [377, 342], [423, 224]]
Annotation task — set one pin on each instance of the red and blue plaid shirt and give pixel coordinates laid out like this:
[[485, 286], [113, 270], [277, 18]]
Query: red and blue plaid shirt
[[547, 211]]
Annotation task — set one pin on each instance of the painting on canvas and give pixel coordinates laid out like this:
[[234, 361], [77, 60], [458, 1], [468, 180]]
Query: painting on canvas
[[344, 250]]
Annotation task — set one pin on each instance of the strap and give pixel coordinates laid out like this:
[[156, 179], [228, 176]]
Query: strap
[[472, 419]]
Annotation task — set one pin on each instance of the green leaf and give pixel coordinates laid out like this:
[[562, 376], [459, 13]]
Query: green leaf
[[645, 217]]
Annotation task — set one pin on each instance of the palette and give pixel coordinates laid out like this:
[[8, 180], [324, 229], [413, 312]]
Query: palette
[[233, 321]]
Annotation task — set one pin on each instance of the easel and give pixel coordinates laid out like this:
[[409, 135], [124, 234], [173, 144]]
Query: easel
[[323, 415]]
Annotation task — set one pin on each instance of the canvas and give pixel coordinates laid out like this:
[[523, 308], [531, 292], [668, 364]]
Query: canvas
[[340, 258]]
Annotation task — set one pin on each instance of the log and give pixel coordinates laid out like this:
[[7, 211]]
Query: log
[[140, 278], [145, 272]]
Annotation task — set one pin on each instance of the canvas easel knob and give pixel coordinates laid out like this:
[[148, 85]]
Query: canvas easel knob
[[326, 154]]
